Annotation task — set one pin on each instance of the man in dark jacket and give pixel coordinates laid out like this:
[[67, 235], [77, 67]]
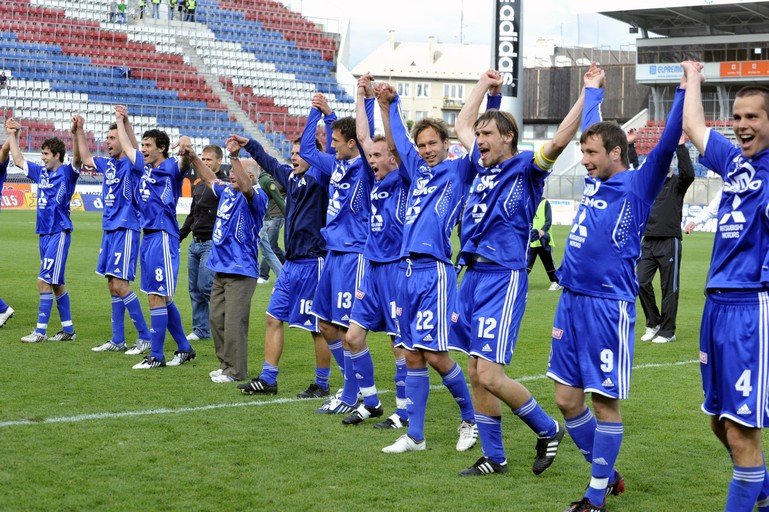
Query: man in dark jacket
[[200, 222], [661, 250]]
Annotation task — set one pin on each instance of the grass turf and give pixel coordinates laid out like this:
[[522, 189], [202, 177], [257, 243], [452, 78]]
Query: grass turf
[[172, 440]]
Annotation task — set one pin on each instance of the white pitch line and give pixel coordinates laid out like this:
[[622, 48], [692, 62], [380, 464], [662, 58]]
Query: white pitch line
[[151, 412]]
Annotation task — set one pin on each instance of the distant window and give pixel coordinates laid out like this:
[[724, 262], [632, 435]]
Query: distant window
[[420, 114], [450, 118], [454, 91], [423, 90], [404, 89]]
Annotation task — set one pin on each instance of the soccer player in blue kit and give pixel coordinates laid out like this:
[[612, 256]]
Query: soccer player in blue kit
[[121, 223], [160, 186], [374, 306], [6, 311], [734, 339], [306, 203], [345, 232], [592, 339], [495, 240], [55, 186], [426, 297]]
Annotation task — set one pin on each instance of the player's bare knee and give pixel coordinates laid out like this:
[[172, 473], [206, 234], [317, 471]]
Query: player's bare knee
[[441, 361], [271, 322]]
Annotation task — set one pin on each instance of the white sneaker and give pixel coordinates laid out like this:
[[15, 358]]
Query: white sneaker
[[650, 333], [140, 347], [554, 287], [193, 337], [664, 339], [405, 444], [5, 316], [468, 436], [215, 373], [262, 280], [110, 347], [222, 378], [33, 337]]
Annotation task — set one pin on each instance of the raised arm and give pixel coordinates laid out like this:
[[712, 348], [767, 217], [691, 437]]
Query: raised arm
[[238, 173], [489, 80], [694, 114], [320, 102], [185, 163], [384, 109], [5, 152], [307, 149], [593, 79], [128, 128], [122, 135], [362, 130], [206, 175], [685, 165], [12, 128], [396, 127]]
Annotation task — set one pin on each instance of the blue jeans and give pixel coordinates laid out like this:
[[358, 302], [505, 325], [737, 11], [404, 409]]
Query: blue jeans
[[156, 11], [171, 9], [268, 245], [200, 279]]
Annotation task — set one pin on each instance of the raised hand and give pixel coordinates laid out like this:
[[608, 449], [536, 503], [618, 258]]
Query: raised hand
[[233, 146], [385, 93], [491, 79], [595, 76], [632, 134], [238, 139], [366, 85], [12, 126], [320, 102]]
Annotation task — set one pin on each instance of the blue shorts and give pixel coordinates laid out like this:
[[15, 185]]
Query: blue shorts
[[292, 297], [592, 346], [341, 277], [53, 257], [426, 304], [490, 307], [374, 307], [160, 263], [118, 254], [734, 356]]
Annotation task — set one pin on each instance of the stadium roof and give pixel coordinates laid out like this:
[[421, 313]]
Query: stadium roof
[[701, 19]]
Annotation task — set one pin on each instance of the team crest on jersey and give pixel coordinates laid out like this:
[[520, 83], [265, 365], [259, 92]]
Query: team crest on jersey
[[741, 179], [455, 317], [485, 183], [399, 311], [591, 188], [359, 294], [703, 357], [557, 333]]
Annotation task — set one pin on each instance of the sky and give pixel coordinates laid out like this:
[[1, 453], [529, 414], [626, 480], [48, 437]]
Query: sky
[[564, 21]]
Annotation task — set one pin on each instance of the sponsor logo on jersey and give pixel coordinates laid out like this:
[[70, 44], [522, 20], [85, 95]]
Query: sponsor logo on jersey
[[376, 220], [731, 224], [557, 333], [307, 322], [478, 211], [578, 233], [744, 410], [486, 348], [428, 338], [607, 383], [346, 318]]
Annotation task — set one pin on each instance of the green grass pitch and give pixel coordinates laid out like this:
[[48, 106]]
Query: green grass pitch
[[83, 431]]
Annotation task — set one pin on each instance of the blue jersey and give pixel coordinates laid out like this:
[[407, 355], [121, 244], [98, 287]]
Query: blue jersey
[[347, 215], [605, 239], [54, 192], [306, 204], [119, 193], [496, 221], [388, 214], [236, 231], [435, 197], [502, 201], [159, 191], [741, 244]]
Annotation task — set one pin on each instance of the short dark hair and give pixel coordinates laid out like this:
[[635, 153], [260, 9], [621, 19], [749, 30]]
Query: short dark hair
[[213, 148], [381, 138], [318, 145], [112, 126], [161, 139], [346, 126], [505, 124], [611, 134], [431, 122], [754, 90], [55, 146]]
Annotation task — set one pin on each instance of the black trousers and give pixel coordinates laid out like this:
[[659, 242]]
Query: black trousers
[[663, 254], [547, 260]]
